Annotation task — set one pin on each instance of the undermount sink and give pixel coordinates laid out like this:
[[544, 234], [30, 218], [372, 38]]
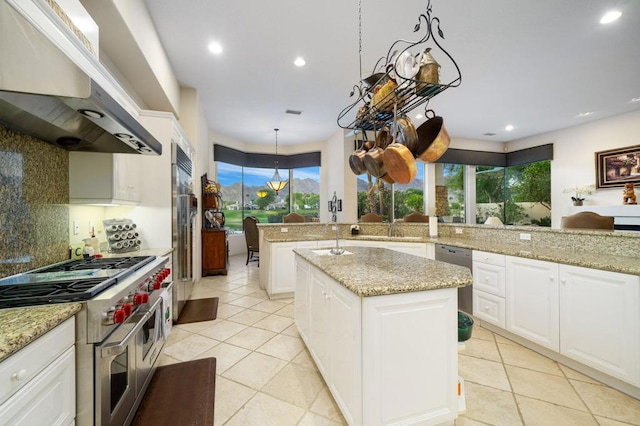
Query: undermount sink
[[327, 252]]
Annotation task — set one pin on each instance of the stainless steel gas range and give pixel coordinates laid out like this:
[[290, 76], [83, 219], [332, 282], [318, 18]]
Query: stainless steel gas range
[[120, 330]]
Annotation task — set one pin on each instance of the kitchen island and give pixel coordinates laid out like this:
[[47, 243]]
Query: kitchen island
[[381, 327]]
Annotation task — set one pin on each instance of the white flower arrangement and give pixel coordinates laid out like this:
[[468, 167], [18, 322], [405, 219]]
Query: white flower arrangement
[[355, 227], [579, 191]]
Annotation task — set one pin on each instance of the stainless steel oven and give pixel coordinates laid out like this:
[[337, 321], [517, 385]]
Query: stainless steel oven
[[119, 330], [126, 360]]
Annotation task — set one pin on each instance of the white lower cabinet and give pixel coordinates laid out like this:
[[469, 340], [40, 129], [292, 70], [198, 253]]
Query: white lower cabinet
[[387, 359], [490, 308], [532, 301], [489, 288], [416, 249], [38, 384], [600, 320], [302, 299]]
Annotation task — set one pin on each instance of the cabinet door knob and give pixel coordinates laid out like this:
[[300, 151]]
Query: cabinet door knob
[[551, 279], [563, 281], [19, 376], [486, 279], [486, 308]]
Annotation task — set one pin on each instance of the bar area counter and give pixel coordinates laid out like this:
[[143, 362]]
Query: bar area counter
[[381, 326]]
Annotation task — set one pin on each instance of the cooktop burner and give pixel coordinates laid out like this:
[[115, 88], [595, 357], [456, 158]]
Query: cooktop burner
[[12, 296], [69, 281], [97, 263]]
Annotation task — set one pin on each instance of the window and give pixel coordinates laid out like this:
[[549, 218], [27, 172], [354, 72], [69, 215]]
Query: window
[[518, 195], [410, 197], [489, 193], [245, 193], [306, 193], [374, 196], [230, 179], [450, 185]]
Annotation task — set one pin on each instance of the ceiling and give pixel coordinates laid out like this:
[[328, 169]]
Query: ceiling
[[535, 65]]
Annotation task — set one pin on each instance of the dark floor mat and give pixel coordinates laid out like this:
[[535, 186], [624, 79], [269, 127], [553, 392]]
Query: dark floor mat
[[196, 310], [180, 394]]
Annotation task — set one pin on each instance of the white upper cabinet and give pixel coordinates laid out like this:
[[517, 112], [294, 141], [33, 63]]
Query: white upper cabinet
[[104, 178]]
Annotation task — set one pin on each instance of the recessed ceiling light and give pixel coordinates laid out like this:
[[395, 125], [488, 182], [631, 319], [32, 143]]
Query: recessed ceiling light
[[299, 62], [419, 116], [610, 17], [509, 128], [635, 99], [215, 48], [584, 114]]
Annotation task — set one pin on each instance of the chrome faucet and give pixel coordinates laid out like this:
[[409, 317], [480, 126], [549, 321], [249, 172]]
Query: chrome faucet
[[334, 217]]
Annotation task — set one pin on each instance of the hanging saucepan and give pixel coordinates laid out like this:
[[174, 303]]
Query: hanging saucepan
[[373, 158], [398, 159], [387, 178], [433, 139], [356, 159]]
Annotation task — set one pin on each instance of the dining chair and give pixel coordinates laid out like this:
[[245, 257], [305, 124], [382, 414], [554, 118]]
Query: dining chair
[[252, 237], [587, 220]]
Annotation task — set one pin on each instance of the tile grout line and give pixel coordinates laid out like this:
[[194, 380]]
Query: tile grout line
[[288, 362]]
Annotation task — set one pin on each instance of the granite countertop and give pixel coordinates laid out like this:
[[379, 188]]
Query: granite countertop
[[371, 271], [595, 260], [21, 326]]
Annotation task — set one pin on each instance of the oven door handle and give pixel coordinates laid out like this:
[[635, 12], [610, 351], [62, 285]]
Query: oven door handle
[[118, 348]]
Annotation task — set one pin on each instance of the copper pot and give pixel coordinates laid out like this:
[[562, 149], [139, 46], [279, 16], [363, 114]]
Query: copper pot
[[433, 139], [406, 133], [373, 162], [356, 159]]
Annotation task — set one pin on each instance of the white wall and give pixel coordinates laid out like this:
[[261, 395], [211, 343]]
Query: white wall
[[574, 157]]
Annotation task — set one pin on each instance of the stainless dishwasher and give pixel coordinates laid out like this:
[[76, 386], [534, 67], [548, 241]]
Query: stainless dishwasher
[[462, 257]]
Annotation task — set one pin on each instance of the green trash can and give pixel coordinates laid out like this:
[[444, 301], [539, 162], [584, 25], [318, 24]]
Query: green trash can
[[465, 326]]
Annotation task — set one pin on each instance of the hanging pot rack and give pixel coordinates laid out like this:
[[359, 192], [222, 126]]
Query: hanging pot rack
[[404, 97]]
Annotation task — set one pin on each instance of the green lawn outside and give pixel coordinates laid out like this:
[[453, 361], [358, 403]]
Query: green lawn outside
[[233, 218]]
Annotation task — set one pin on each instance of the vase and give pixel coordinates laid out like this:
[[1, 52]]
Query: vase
[[577, 202]]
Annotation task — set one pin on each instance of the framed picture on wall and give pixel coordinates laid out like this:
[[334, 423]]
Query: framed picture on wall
[[616, 167]]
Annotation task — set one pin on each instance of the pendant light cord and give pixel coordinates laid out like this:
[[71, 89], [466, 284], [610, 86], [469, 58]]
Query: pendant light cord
[[360, 37]]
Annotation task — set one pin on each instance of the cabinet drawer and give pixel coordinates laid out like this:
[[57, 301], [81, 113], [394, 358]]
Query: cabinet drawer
[[489, 278], [17, 370], [488, 307], [490, 258]]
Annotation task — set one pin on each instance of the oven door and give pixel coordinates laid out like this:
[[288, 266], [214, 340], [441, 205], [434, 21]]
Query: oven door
[[116, 390], [152, 337]]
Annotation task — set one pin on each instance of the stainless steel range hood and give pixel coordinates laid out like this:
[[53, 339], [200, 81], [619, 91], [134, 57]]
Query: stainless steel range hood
[[44, 94], [94, 124]]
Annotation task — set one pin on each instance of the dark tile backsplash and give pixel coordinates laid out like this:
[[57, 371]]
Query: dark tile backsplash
[[34, 197]]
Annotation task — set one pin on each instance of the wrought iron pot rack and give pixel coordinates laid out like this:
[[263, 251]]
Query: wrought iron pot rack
[[404, 98]]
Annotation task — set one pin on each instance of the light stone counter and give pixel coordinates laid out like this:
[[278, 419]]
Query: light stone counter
[[593, 260], [614, 252], [21, 326], [370, 271]]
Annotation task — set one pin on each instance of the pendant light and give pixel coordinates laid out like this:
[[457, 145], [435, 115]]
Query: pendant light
[[262, 193], [277, 183]]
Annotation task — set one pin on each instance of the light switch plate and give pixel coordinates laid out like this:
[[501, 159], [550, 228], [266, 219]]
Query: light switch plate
[[76, 227], [458, 230], [524, 236], [284, 229]]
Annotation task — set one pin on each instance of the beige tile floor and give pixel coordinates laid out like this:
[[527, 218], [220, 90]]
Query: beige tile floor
[[265, 375]]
